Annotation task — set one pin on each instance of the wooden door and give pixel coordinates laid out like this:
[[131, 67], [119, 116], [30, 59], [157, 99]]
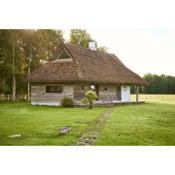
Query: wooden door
[[118, 93]]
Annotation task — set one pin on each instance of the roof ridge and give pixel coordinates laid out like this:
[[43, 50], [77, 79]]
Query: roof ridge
[[87, 49]]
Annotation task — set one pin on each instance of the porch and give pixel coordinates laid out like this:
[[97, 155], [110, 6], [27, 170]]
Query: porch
[[108, 103], [107, 95]]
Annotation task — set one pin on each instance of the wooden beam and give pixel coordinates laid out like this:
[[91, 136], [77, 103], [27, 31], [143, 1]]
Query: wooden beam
[[137, 93]]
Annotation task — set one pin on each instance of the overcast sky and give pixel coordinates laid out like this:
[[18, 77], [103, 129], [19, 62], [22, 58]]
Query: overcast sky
[[142, 51]]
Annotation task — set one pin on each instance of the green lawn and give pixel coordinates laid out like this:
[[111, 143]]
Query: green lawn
[[145, 124], [38, 125]]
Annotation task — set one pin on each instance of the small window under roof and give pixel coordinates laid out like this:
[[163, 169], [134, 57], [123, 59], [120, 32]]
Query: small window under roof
[[63, 55]]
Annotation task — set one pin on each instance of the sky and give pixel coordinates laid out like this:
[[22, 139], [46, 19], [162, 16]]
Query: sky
[[143, 51], [140, 32]]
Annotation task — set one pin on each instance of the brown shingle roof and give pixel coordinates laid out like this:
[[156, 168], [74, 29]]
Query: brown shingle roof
[[87, 66]]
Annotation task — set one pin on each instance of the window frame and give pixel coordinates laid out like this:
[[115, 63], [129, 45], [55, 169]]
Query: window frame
[[63, 50], [53, 89]]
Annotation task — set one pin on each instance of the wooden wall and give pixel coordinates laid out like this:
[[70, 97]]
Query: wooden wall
[[107, 92], [79, 91], [39, 95]]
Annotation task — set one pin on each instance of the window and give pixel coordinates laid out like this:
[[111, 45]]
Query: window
[[54, 89], [63, 55]]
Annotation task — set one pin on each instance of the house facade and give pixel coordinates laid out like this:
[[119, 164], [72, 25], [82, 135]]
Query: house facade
[[73, 70]]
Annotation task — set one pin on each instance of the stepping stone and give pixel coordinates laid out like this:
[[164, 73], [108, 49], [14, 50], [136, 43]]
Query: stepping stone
[[90, 135], [64, 130]]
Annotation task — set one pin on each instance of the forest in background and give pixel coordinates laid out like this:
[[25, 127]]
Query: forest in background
[[158, 84], [22, 51]]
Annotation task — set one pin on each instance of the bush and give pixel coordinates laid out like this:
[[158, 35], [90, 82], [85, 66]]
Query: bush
[[90, 97], [67, 102]]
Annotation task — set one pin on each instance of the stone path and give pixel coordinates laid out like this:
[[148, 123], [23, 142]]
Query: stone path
[[90, 135]]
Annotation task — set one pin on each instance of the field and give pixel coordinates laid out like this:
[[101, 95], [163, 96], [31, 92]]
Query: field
[[152, 123], [158, 98]]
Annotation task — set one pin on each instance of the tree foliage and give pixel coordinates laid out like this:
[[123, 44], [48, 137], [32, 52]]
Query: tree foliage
[[82, 38], [40, 43], [158, 84]]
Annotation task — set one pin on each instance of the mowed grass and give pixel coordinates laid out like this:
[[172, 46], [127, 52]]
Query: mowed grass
[[38, 125], [144, 124], [152, 123]]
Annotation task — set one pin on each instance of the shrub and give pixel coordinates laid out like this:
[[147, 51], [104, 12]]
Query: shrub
[[90, 97], [67, 102]]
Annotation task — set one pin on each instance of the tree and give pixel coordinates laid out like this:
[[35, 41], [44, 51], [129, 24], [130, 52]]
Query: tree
[[90, 97], [80, 37], [11, 55], [39, 46], [22, 51], [159, 84]]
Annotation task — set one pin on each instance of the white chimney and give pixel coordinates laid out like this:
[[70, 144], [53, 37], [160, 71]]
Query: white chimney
[[92, 46]]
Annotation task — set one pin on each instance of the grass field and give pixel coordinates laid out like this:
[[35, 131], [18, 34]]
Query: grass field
[[158, 98], [147, 124], [152, 123], [38, 125]]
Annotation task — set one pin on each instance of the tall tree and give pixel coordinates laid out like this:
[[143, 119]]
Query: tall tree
[[39, 46], [13, 74], [11, 55], [20, 51]]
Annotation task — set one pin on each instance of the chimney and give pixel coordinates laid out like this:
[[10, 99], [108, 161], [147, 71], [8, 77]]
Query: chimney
[[92, 45]]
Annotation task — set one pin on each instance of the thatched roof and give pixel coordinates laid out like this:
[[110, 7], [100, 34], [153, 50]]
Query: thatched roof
[[86, 66]]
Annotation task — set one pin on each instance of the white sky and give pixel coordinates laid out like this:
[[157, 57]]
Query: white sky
[[142, 51], [140, 32]]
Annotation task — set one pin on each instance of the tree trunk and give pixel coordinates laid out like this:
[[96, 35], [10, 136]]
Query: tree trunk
[[28, 84], [14, 76], [90, 105], [3, 89]]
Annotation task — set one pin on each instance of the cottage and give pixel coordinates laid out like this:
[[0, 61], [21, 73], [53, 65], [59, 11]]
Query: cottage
[[73, 70]]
